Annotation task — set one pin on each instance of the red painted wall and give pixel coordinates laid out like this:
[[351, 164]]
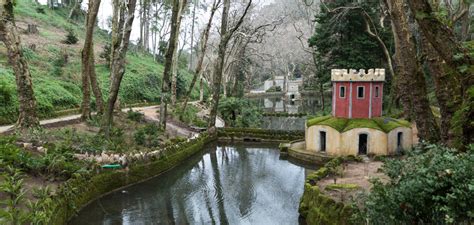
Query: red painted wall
[[342, 104], [377, 101], [360, 106]]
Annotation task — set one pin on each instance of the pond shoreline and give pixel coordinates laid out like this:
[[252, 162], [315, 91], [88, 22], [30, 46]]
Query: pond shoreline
[[80, 191]]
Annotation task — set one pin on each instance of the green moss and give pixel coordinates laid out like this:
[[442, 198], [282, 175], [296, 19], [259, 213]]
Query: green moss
[[361, 123], [383, 124], [317, 120], [316, 207], [342, 186]]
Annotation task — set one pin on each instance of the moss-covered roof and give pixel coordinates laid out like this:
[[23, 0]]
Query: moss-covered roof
[[384, 124]]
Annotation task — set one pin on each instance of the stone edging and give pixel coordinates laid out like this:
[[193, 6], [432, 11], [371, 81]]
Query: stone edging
[[318, 208], [81, 190]]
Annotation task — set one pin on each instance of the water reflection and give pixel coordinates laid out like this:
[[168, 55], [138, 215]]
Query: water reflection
[[307, 104], [227, 184]]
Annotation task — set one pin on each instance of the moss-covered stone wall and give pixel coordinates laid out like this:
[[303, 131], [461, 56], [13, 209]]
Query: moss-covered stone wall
[[77, 192], [316, 207], [255, 134]]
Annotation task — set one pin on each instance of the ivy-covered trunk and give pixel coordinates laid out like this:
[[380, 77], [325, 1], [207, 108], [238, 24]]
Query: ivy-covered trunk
[[27, 117], [458, 60], [411, 80], [447, 89]]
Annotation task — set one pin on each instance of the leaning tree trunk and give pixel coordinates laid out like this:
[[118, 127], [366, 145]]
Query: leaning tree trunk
[[411, 81], [217, 80], [447, 90], [27, 117], [88, 61], [170, 53], [457, 59], [118, 66], [204, 38], [219, 65]]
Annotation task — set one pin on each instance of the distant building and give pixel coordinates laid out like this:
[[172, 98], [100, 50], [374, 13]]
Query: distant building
[[289, 87]]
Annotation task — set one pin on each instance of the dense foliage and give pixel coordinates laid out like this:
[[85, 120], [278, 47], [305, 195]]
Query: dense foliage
[[433, 185], [238, 112], [340, 39]]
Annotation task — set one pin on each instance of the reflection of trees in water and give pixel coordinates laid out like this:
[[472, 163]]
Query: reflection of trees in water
[[218, 187]]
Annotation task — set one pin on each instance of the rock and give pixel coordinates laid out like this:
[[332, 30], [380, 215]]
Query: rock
[[28, 146]]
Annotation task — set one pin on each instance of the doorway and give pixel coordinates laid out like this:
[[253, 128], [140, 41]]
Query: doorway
[[399, 141], [322, 143], [363, 144]]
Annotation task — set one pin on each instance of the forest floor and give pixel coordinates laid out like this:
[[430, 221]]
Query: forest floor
[[355, 179]]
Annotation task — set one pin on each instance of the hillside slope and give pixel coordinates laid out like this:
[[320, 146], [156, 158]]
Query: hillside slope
[[56, 67]]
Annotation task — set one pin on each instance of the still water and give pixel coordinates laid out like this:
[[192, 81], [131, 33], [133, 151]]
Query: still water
[[307, 104], [225, 184]]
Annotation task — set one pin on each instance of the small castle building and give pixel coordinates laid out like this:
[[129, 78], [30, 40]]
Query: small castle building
[[356, 126]]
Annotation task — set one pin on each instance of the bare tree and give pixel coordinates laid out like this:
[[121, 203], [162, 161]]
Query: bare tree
[[226, 35], [124, 18], [203, 48], [178, 6], [27, 117]]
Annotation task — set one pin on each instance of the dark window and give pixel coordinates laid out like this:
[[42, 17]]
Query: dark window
[[360, 92], [342, 92], [376, 91]]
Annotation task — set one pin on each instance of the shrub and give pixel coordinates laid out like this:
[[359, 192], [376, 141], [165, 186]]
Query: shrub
[[147, 136], [135, 116], [274, 89], [71, 37], [433, 185], [106, 52]]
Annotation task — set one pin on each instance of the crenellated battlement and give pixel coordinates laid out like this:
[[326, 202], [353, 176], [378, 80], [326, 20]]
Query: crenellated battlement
[[354, 75]]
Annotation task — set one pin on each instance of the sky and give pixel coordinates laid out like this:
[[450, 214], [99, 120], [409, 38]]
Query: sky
[[105, 12]]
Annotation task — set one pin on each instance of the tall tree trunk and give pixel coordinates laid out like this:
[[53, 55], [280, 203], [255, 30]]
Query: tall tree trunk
[[411, 81], [178, 5], [201, 88], [88, 62], [195, 3], [75, 10], [457, 59], [447, 89], [203, 49], [219, 65], [118, 63], [27, 117], [99, 101]]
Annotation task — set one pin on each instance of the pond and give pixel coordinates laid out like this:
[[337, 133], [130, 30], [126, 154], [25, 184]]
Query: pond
[[307, 104], [224, 184]]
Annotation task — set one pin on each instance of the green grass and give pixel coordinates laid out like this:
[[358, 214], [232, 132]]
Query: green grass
[[342, 187], [383, 124], [57, 85]]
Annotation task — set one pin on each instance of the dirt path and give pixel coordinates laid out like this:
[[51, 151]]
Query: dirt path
[[150, 113]]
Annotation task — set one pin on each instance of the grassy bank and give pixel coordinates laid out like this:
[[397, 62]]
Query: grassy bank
[[56, 67]]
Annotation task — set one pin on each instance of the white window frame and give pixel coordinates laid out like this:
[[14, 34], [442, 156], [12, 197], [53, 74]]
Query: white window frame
[[340, 88], [363, 92]]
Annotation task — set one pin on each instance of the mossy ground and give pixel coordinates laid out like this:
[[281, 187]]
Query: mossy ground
[[384, 124]]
